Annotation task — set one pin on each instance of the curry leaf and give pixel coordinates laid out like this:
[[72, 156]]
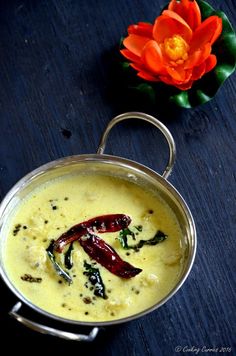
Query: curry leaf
[[68, 257], [59, 270], [123, 237], [124, 234], [95, 279]]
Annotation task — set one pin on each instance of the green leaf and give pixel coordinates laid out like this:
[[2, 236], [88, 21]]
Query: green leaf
[[147, 90], [59, 270], [68, 257], [125, 233], [123, 237], [95, 279], [121, 42], [181, 99], [206, 9], [125, 65]]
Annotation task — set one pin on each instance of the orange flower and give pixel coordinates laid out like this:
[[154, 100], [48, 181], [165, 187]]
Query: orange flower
[[177, 48]]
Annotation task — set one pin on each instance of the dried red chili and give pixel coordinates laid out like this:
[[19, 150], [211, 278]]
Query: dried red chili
[[97, 248], [100, 224], [104, 254]]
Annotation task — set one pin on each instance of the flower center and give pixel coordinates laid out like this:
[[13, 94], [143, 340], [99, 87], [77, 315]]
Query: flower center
[[176, 48]]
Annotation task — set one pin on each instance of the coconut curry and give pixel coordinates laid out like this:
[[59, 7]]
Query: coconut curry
[[93, 248]]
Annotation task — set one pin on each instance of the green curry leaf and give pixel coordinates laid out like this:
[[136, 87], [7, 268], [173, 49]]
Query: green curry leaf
[[68, 257], [59, 270], [125, 233], [95, 279]]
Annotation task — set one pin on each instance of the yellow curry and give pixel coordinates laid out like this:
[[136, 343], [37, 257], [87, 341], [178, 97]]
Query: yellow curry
[[51, 210]]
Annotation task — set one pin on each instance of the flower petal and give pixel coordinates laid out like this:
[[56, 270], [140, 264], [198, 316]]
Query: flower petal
[[207, 32], [176, 75], [169, 24], [142, 29], [147, 76], [188, 10], [169, 81], [193, 59], [198, 57], [177, 7], [152, 57], [218, 30], [130, 56], [135, 43], [211, 62], [193, 16], [185, 86], [179, 75], [143, 72], [198, 71], [139, 67]]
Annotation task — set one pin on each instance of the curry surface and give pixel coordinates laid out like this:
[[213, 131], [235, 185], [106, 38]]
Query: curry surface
[[56, 206]]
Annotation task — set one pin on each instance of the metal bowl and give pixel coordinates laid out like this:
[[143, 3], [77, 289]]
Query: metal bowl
[[101, 163]]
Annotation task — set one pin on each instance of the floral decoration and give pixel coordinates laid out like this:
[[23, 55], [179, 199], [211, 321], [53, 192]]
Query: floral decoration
[[191, 48]]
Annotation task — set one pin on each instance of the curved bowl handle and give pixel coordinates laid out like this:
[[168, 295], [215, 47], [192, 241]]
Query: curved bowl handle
[[151, 120], [51, 331]]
